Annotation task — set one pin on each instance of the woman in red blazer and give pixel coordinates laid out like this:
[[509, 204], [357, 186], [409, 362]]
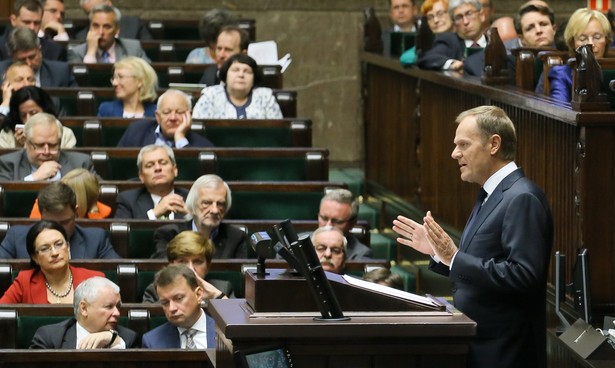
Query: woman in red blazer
[[50, 279]]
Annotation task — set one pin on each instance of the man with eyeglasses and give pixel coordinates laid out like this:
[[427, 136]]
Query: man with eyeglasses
[[172, 126], [339, 208], [330, 245], [57, 202], [102, 43], [450, 50], [403, 14], [208, 201], [41, 159]]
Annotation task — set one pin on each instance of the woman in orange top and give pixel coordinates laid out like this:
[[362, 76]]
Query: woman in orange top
[[86, 188]]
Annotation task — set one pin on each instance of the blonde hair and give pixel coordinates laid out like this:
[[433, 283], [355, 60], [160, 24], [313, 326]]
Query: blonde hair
[[143, 72], [86, 188], [190, 243], [579, 20]]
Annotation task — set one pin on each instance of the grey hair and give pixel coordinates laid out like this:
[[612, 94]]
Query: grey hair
[[88, 290], [39, 119], [104, 8], [453, 4], [343, 196], [23, 39], [152, 147], [174, 91], [328, 228], [206, 181]]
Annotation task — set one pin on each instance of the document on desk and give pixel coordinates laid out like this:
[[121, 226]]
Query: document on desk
[[390, 291]]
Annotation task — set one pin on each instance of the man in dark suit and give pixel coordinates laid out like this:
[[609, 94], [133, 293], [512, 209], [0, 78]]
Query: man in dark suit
[[97, 304], [28, 14], [453, 50], [102, 44], [158, 198], [188, 326], [499, 271], [25, 46], [171, 128], [130, 26], [231, 40], [41, 159], [57, 202], [208, 201]]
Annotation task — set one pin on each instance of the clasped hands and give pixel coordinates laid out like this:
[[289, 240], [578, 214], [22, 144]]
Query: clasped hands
[[428, 238]]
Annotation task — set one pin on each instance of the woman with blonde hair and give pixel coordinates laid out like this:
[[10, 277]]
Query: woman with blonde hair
[[135, 83], [86, 188]]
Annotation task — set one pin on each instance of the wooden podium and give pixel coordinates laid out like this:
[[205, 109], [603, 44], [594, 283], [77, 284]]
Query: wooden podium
[[370, 339]]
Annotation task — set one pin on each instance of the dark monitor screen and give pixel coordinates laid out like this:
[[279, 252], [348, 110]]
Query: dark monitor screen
[[580, 285], [264, 357]]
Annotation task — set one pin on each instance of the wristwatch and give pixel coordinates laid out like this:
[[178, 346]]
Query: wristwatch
[[114, 334]]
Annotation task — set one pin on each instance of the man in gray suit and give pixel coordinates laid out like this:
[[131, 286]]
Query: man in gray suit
[[158, 198], [131, 26], [41, 158], [102, 44]]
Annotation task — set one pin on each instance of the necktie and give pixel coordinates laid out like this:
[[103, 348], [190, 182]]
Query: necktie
[[482, 194], [105, 56], [475, 44], [189, 333]]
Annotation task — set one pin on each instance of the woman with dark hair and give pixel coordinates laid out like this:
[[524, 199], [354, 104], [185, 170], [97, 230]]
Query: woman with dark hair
[[26, 102], [238, 97], [50, 279]]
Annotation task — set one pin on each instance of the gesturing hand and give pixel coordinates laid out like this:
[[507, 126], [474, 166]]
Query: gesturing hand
[[442, 244], [413, 234]]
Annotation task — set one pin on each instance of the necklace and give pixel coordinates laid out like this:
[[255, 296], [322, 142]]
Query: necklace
[[58, 295]]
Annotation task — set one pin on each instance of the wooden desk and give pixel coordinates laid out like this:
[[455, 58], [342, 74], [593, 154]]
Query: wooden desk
[[435, 339]]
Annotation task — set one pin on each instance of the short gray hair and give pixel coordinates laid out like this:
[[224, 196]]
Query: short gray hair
[[324, 229], [343, 196], [104, 8], [453, 4], [206, 181], [177, 92], [23, 39], [88, 290], [152, 147], [40, 119]]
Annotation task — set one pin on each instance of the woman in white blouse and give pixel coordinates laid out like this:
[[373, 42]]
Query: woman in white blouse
[[237, 97]]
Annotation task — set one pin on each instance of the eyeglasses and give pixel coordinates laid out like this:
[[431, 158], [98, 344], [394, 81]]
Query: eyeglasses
[[597, 37], [46, 249], [43, 147], [438, 15], [120, 77], [334, 221], [334, 250], [470, 15]]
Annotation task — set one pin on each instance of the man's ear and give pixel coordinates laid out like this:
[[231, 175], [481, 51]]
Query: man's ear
[[495, 143], [13, 18]]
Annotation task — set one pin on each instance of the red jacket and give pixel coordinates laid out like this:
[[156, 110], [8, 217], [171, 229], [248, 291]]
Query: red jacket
[[29, 286]]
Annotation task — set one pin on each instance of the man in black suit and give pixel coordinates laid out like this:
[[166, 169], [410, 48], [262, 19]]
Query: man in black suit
[[231, 40], [499, 271], [25, 46], [158, 198], [171, 128], [28, 14], [208, 201], [450, 50], [57, 202], [97, 304], [130, 26]]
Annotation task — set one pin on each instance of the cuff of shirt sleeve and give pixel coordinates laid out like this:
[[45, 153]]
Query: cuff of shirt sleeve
[[181, 143], [150, 214]]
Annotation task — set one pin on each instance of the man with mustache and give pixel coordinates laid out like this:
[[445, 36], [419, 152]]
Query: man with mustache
[[330, 245]]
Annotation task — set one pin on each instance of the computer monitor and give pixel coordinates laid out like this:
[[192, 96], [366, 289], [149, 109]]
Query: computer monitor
[[269, 356], [580, 286]]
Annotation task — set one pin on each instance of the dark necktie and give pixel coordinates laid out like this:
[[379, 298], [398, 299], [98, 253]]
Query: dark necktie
[[475, 45], [482, 194], [105, 56]]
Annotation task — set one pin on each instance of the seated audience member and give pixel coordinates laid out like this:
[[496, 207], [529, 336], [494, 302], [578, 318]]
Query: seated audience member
[[403, 14], [340, 208], [231, 40], [209, 28], [42, 157], [25, 103], [25, 46], [450, 49], [187, 326], [384, 276], [438, 18], [134, 82], [330, 246], [101, 44], [17, 75], [585, 26], [28, 14], [158, 198], [51, 23], [238, 98], [131, 26], [172, 126], [506, 28], [488, 10], [97, 304], [58, 203], [535, 26], [50, 278], [191, 249], [86, 188], [208, 201]]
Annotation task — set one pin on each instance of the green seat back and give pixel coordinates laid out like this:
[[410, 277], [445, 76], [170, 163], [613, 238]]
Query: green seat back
[[141, 243], [234, 277], [262, 168], [144, 279], [19, 203], [249, 137], [275, 205], [27, 326], [125, 168]]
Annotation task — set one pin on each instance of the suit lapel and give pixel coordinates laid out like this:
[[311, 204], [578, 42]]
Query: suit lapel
[[25, 168], [144, 203], [69, 340]]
